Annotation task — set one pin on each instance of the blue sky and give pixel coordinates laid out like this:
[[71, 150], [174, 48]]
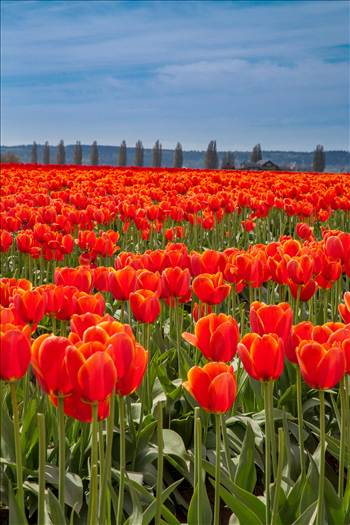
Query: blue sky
[[240, 72]]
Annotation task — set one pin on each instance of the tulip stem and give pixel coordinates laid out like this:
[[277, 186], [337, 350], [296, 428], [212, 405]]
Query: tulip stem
[[18, 448], [198, 461], [300, 423], [160, 464], [322, 461], [61, 451], [121, 460], [272, 427], [342, 437], [274, 517], [92, 514], [217, 470], [41, 472], [267, 452], [108, 458]]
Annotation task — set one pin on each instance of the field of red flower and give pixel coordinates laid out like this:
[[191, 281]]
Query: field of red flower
[[175, 346]]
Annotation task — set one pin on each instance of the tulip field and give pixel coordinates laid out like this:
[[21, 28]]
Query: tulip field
[[175, 347]]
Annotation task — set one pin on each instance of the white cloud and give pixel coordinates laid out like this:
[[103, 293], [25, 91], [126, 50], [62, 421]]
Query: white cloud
[[163, 67]]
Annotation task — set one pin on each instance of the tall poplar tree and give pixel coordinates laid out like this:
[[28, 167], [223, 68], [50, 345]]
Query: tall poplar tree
[[94, 154], [34, 155], [157, 155], [61, 153], [46, 153], [319, 159], [211, 160], [178, 156], [123, 154], [78, 153], [139, 154], [256, 154]]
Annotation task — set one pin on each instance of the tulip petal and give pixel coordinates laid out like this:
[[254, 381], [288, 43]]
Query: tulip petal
[[222, 393], [198, 385]]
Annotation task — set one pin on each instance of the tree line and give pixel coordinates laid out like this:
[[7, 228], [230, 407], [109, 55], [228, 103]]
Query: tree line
[[211, 157]]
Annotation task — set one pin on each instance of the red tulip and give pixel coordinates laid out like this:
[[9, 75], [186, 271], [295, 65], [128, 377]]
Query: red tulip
[[216, 336], [80, 323], [214, 386], [306, 291], [122, 283], [304, 231], [175, 282], [262, 356], [49, 361], [14, 352], [322, 365], [300, 332], [210, 288], [30, 307], [101, 276], [130, 360], [80, 410], [300, 269], [267, 319], [145, 306], [96, 377], [54, 297], [5, 240], [80, 277]]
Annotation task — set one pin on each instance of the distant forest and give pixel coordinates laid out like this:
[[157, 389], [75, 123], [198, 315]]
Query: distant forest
[[336, 161]]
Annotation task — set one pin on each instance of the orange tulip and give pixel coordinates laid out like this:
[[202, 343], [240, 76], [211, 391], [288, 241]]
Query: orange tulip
[[14, 352], [262, 356], [80, 323], [216, 336], [270, 318], [145, 306], [210, 261], [210, 288], [148, 280], [214, 386], [322, 365], [122, 283], [88, 303]]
